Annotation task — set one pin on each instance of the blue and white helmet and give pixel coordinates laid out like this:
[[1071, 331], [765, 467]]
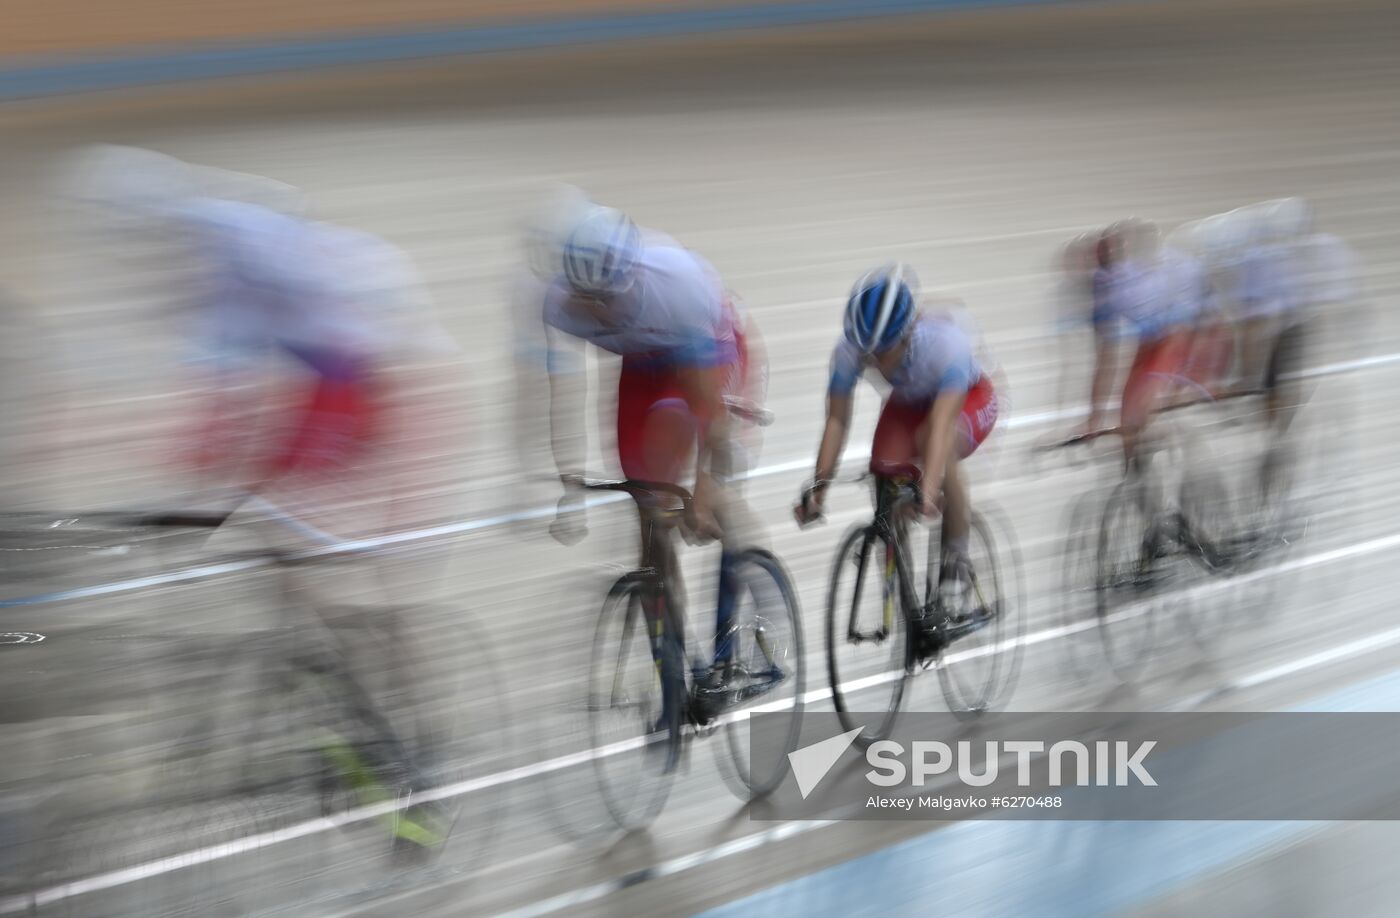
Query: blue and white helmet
[[600, 254], [881, 307]]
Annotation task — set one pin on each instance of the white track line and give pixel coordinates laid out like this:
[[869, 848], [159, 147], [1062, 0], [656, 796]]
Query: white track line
[[111, 879], [1348, 650]]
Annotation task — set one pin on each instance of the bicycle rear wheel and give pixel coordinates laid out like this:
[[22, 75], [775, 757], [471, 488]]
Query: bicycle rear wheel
[[766, 655], [869, 648], [630, 735], [978, 669]]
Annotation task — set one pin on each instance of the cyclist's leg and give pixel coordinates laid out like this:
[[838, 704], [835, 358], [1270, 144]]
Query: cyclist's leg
[[1209, 354], [656, 431], [979, 416], [896, 440], [1155, 370], [338, 419], [656, 437], [1258, 333], [1156, 366], [1283, 390]]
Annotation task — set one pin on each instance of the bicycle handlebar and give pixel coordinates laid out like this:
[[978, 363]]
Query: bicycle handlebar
[[638, 488], [183, 520], [1080, 439], [749, 411]]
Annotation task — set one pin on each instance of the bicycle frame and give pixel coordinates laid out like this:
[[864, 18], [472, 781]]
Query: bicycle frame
[[891, 496], [657, 569]]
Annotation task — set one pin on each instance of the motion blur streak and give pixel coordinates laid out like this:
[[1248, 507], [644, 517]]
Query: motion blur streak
[[1164, 231]]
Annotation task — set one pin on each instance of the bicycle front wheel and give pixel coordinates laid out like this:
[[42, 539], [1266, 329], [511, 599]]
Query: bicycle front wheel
[[869, 650], [626, 709], [978, 668], [764, 656], [1125, 581]]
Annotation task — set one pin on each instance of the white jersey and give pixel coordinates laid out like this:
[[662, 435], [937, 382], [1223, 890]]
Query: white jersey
[[940, 358], [1293, 278], [336, 299], [675, 313], [1149, 299]]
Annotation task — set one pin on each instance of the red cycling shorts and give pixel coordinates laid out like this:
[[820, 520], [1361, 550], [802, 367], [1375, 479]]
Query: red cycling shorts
[[334, 424], [658, 426], [1159, 365], [903, 427]]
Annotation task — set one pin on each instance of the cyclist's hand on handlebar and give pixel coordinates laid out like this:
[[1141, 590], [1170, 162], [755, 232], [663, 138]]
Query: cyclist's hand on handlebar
[[810, 505], [570, 524], [701, 525]]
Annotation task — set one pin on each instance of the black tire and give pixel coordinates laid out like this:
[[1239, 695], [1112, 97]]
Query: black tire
[[1121, 585], [767, 634], [979, 670], [1220, 544], [879, 681], [1078, 601], [624, 705]]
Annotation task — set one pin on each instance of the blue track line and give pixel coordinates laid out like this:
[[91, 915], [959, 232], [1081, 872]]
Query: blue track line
[[37, 77], [1072, 869]]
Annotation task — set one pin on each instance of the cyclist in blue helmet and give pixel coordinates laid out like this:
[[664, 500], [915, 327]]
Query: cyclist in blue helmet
[[940, 406]]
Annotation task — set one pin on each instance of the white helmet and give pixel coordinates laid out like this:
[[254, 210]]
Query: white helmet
[[601, 252]]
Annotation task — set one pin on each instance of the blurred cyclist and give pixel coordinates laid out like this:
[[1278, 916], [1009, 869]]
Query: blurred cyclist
[[941, 405], [268, 281], [1157, 295], [1289, 273], [685, 361]]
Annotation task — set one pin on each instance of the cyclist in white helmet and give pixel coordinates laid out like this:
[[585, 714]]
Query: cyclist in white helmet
[[940, 408], [686, 356]]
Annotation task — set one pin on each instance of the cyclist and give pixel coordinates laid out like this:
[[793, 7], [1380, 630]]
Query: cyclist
[[686, 356], [940, 408], [1289, 275], [339, 304], [267, 280], [1142, 289]]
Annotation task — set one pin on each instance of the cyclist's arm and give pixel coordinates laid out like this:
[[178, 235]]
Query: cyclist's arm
[[942, 425], [567, 437], [757, 362], [1105, 371], [834, 433]]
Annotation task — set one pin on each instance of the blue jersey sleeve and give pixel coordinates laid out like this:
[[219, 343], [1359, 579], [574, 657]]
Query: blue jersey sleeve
[[958, 377], [845, 369]]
